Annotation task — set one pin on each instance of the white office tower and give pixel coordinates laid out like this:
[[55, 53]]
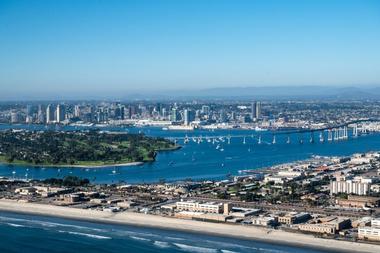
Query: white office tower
[[50, 114], [77, 111], [186, 117], [60, 113]]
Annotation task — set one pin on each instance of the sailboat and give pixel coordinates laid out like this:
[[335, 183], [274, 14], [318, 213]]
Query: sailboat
[[321, 139]]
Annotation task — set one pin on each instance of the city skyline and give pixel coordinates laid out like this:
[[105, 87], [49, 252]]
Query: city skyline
[[123, 47]]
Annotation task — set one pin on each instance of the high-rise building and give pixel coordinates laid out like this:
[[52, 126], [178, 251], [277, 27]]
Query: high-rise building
[[100, 115], [29, 114], [120, 112], [233, 115], [29, 110], [40, 115], [77, 111], [60, 113], [174, 115], [256, 110], [158, 107], [205, 109], [188, 116], [164, 113], [223, 116], [15, 117], [131, 111], [50, 114], [92, 114]]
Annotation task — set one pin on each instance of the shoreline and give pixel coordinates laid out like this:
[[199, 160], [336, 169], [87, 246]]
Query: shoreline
[[74, 166], [192, 226], [84, 166]]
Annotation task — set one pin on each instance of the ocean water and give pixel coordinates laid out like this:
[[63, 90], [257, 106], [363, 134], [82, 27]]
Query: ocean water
[[203, 161], [35, 234]]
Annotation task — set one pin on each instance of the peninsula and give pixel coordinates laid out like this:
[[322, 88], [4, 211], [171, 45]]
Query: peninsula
[[79, 148]]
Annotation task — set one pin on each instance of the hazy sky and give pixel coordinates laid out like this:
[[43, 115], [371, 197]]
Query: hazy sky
[[86, 45]]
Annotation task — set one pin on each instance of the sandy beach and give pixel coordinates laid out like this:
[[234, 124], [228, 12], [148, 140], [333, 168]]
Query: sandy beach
[[139, 219]]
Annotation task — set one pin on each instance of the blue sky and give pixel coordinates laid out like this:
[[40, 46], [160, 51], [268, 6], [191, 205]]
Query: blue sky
[[99, 46]]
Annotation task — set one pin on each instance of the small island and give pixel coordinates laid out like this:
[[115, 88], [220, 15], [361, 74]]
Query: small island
[[79, 148]]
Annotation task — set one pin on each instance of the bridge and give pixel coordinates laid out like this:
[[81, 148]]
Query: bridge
[[334, 133]]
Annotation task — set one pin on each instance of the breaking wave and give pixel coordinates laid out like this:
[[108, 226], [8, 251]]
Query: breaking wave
[[189, 248], [161, 244], [86, 235]]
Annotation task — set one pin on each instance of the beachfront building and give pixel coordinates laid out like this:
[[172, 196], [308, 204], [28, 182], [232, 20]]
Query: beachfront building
[[318, 228], [293, 218], [371, 233], [26, 191], [329, 225], [72, 198], [361, 222], [264, 221], [194, 206], [243, 212]]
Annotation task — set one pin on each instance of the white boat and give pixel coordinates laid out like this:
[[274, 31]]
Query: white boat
[[259, 129], [181, 128]]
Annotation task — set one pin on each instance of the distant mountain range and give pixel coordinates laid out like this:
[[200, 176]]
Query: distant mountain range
[[227, 93], [273, 92]]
